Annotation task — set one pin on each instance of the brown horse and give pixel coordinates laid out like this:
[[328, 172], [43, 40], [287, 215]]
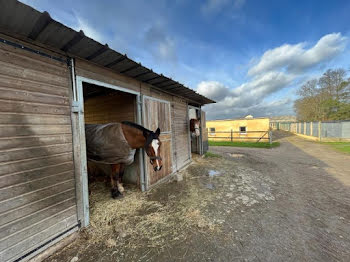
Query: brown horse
[[116, 144], [194, 126]]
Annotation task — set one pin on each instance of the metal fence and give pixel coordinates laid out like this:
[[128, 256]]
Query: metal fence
[[237, 136], [326, 130]]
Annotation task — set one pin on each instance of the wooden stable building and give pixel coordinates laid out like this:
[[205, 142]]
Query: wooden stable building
[[53, 80]]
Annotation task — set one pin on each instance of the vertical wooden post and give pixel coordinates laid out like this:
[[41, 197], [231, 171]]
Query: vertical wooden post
[[270, 137], [319, 130], [231, 135]]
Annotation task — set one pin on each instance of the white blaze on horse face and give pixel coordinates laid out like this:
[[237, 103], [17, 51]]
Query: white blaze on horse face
[[196, 126], [155, 145]]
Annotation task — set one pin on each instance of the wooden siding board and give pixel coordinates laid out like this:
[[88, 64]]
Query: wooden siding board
[[36, 151], [47, 220], [22, 58], [19, 154], [17, 190], [33, 141], [102, 74], [34, 213], [36, 173], [33, 119], [33, 197], [22, 130], [181, 129], [20, 72], [33, 86], [104, 109], [41, 237], [35, 97], [157, 114], [37, 108]]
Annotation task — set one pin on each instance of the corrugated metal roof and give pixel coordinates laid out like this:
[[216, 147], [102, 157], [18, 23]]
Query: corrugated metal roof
[[18, 18]]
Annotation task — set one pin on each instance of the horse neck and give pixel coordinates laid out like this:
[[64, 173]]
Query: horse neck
[[133, 136], [192, 125]]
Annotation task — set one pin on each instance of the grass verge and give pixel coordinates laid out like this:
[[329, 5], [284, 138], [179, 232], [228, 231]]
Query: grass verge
[[339, 146], [244, 144], [210, 154]]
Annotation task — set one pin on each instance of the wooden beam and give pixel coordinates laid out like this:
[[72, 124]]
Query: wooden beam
[[98, 52], [43, 21], [118, 60], [144, 73], [73, 41], [130, 68]]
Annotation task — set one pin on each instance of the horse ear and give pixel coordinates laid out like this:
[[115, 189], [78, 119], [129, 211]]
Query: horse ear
[[157, 132]]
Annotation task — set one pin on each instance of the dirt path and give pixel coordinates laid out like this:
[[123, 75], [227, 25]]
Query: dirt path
[[290, 203], [310, 217]]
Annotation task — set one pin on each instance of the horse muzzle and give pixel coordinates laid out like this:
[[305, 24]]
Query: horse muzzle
[[156, 161], [156, 168]]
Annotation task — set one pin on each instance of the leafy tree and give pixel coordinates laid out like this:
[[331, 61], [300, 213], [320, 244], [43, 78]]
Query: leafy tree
[[326, 98]]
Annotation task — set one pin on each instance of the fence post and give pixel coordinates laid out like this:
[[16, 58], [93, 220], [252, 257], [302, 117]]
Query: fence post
[[270, 137], [231, 135], [319, 130]]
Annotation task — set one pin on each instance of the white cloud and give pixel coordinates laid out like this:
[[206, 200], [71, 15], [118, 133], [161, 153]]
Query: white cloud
[[277, 69], [89, 31], [296, 58], [213, 89], [162, 46]]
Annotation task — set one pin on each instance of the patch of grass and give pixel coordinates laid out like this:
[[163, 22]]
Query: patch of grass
[[244, 144], [340, 146], [210, 154]]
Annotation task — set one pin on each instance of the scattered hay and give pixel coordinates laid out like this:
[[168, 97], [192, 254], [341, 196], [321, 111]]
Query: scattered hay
[[136, 221], [111, 243]]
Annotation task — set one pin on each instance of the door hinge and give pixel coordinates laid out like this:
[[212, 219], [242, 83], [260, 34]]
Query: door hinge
[[75, 107]]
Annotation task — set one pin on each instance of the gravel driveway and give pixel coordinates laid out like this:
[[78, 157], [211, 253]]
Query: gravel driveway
[[309, 220], [290, 203]]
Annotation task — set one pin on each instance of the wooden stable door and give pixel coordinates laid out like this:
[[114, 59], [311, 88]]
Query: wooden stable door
[[156, 113], [37, 181]]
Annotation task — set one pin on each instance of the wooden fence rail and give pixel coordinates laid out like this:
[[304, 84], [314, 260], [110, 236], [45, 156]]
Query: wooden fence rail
[[232, 137]]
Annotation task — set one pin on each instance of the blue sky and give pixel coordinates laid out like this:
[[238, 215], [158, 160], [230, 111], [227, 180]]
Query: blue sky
[[250, 56]]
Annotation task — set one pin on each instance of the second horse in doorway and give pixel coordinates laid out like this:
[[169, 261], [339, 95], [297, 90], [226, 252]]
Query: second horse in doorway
[[194, 127], [116, 143]]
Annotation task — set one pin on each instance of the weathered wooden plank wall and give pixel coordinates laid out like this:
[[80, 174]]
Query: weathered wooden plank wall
[[180, 132], [114, 107], [37, 188], [157, 114]]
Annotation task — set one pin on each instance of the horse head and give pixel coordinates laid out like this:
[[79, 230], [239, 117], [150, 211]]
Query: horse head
[[152, 148], [194, 126]]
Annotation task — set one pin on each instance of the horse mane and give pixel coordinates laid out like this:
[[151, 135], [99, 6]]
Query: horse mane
[[137, 126]]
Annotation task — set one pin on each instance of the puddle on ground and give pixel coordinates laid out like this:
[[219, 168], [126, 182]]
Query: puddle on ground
[[235, 155], [213, 173], [210, 186]]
